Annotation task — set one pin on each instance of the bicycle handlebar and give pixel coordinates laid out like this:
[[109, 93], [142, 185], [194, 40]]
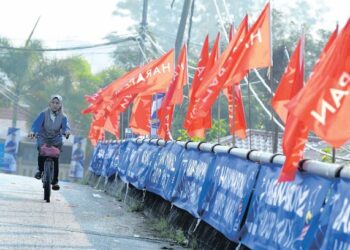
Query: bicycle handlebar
[[35, 135]]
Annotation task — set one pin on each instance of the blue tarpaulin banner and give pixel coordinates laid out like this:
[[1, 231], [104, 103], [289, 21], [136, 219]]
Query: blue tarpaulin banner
[[2, 152], [76, 169], [161, 179], [113, 166], [140, 166], [193, 170], [9, 164], [98, 158], [128, 151], [334, 226], [110, 151], [281, 214], [230, 183]]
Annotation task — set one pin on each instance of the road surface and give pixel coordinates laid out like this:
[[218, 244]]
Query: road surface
[[78, 217]]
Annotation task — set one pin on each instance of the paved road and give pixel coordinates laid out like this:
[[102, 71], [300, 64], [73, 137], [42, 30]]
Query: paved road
[[78, 217]]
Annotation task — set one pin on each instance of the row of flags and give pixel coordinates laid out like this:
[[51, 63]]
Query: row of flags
[[324, 96]]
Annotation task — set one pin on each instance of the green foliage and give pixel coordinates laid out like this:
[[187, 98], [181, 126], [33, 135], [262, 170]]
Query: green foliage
[[136, 206], [326, 158], [183, 136], [162, 227], [219, 129]]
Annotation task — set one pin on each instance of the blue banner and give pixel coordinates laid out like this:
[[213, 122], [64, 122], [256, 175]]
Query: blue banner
[[139, 168], [334, 226], [162, 176], [8, 163], [128, 151], [110, 151], [229, 187], [115, 158], [281, 214], [78, 156], [98, 158], [2, 152], [193, 170]]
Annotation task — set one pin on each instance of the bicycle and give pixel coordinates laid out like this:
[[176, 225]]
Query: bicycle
[[50, 152]]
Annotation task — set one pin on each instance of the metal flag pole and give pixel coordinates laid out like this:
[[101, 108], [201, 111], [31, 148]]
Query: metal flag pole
[[249, 114], [233, 115]]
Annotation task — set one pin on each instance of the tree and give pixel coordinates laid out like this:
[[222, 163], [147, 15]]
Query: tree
[[19, 66], [72, 78]]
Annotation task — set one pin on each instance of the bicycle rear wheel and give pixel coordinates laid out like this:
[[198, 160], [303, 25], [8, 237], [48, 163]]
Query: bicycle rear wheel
[[47, 180]]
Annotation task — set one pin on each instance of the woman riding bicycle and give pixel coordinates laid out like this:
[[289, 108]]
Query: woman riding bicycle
[[48, 128]]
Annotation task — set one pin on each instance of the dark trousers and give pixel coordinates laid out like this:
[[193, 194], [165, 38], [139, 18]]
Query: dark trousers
[[41, 162]]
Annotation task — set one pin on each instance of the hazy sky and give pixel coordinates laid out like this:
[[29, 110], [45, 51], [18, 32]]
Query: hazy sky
[[76, 22]]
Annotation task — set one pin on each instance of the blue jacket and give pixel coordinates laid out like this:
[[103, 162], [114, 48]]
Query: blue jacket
[[48, 131]]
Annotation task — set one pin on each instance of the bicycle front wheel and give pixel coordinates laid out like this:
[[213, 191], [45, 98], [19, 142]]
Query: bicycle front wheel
[[47, 180]]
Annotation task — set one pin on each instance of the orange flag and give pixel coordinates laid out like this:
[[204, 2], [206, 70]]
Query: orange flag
[[173, 96], [328, 45], [294, 140], [197, 127], [236, 114], [231, 32], [211, 74], [153, 77], [112, 124], [197, 79], [253, 52], [324, 104], [141, 115], [295, 133], [291, 82], [113, 99], [103, 96]]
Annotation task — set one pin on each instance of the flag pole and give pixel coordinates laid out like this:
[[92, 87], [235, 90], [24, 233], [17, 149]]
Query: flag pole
[[249, 114], [219, 116], [122, 126], [233, 115], [274, 125], [333, 154]]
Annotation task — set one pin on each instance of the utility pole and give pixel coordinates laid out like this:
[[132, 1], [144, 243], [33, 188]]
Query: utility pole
[[143, 26], [181, 29], [18, 85]]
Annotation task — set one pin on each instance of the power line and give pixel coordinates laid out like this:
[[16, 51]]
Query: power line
[[133, 38]]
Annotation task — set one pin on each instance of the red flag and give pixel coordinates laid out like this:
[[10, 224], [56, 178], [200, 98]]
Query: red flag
[[236, 114], [197, 79], [153, 77], [103, 96], [196, 128], [173, 96], [291, 82], [294, 140], [231, 32], [253, 52], [202, 62], [141, 115], [96, 133], [324, 104], [112, 124], [328, 45], [295, 133], [193, 112]]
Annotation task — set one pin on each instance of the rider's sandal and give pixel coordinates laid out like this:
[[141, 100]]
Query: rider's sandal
[[38, 175], [55, 187]]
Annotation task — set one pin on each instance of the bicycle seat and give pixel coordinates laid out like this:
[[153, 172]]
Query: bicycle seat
[[49, 151]]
